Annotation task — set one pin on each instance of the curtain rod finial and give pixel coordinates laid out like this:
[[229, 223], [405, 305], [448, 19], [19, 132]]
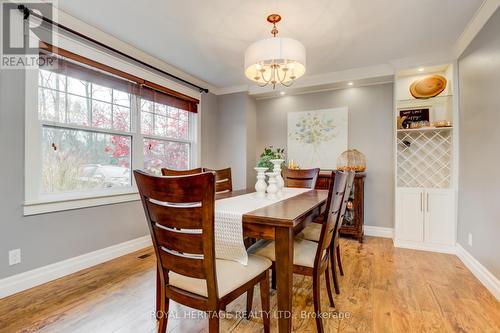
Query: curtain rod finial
[[25, 10]]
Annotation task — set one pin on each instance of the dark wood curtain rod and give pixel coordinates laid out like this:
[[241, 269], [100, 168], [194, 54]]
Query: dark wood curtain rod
[[27, 12]]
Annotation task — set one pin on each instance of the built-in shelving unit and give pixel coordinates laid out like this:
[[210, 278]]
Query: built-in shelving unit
[[425, 167]]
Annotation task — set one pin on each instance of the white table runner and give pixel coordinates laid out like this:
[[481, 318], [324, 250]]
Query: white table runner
[[229, 217]]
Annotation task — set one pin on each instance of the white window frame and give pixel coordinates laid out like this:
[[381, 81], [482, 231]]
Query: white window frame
[[35, 202]]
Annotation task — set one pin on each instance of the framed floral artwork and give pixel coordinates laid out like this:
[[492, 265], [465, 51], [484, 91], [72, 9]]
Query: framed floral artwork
[[317, 138]]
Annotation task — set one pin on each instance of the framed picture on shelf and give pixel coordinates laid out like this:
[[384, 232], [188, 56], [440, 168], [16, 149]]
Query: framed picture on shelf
[[414, 116]]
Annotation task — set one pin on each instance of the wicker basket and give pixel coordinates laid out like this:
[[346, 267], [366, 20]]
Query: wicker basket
[[353, 160]]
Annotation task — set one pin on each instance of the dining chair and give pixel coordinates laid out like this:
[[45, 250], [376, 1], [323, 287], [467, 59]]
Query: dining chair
[[312, 232], [223, 180], [180, 215], [305, 178], [172, 172], [311, 258]]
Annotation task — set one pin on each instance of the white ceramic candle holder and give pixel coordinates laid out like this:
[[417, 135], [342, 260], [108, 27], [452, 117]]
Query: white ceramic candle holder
[[277, 169], [260, 185], [272, 188]]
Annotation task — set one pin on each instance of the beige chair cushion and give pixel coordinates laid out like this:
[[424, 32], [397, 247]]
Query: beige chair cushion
[[230, 276], [312, 232], [304, 251]]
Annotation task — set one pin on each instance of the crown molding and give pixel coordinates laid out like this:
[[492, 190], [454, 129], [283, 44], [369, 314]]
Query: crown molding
[[87, 29], [482, 15], [230, 89]]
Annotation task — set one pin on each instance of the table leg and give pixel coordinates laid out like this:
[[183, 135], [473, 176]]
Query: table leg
[[284, 277]]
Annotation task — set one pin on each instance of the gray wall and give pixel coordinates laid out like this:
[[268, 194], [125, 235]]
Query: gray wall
[[208, 138], [49, 238], [370, 131], [479, 178]]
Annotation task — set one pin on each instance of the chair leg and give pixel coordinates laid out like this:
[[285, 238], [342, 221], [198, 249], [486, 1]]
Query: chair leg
[[163, 316], [333, 266], [317, 302], [339, 260], [329, 287], [265, 301], [249, 302], [273, 279]]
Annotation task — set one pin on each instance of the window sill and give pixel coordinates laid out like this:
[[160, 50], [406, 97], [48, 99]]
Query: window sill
[[57, 205]]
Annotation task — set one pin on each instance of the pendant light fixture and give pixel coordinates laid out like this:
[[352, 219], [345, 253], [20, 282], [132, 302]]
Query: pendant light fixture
[[276, 60]]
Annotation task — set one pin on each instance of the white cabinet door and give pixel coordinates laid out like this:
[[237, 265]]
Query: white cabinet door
[[439, 225], [409, 214]]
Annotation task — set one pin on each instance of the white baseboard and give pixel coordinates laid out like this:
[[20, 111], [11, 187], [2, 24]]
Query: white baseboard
[[378, 231], [451, 249], [19, 282], [480, 272]]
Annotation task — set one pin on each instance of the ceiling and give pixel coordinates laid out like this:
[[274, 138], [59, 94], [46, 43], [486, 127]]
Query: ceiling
[[207, 39]]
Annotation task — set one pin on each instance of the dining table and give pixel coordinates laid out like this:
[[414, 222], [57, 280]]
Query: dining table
[[279, 221]]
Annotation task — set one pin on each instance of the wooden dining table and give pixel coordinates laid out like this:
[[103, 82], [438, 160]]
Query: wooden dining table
[[280, 222]]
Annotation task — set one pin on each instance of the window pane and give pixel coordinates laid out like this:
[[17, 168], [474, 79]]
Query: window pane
[[121, 118], [121, 98], [173, 112], [102, 93], [161, 109], [183, 131], [101, 114], [78, 110], [78, 87], [147, 106], [160, 125], [75, 160], [146, 123], [165, 154], [51, 80], [51, 105], [183, 115]]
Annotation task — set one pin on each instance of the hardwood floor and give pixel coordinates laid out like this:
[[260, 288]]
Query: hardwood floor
[[383, 290]]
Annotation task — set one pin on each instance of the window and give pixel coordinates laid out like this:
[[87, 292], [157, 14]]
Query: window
[[92, 128], [78, 159], [159, 123]]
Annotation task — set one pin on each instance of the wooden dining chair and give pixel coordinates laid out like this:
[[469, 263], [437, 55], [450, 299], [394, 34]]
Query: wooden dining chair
[[311, 258], [223, 180], [172, 172], [312, 232], [305, 178], [180, 216]]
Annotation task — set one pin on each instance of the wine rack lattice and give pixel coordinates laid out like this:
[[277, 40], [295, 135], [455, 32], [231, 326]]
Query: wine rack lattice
[[424, 158]]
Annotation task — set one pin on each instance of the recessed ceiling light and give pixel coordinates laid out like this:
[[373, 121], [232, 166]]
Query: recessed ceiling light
[[421, 69], [282, 93], [350, 83]]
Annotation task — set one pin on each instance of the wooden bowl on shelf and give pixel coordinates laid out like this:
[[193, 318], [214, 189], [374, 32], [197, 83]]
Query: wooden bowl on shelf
[[428, 87]]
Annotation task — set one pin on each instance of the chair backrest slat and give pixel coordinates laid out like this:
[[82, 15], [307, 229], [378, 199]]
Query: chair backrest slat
[[179, 240], [172, 172], [305, 178], [223, 180], [182, 264], [175, 217], [331, 216], [180, 215]]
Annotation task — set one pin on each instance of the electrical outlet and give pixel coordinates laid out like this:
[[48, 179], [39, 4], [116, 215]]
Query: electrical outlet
[[14, 257], [470, 239]]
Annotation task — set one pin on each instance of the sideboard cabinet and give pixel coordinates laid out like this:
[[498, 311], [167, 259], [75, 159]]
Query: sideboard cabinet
[[354, 215]]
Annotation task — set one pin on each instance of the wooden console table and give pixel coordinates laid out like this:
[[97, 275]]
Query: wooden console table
[[354, 216]]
